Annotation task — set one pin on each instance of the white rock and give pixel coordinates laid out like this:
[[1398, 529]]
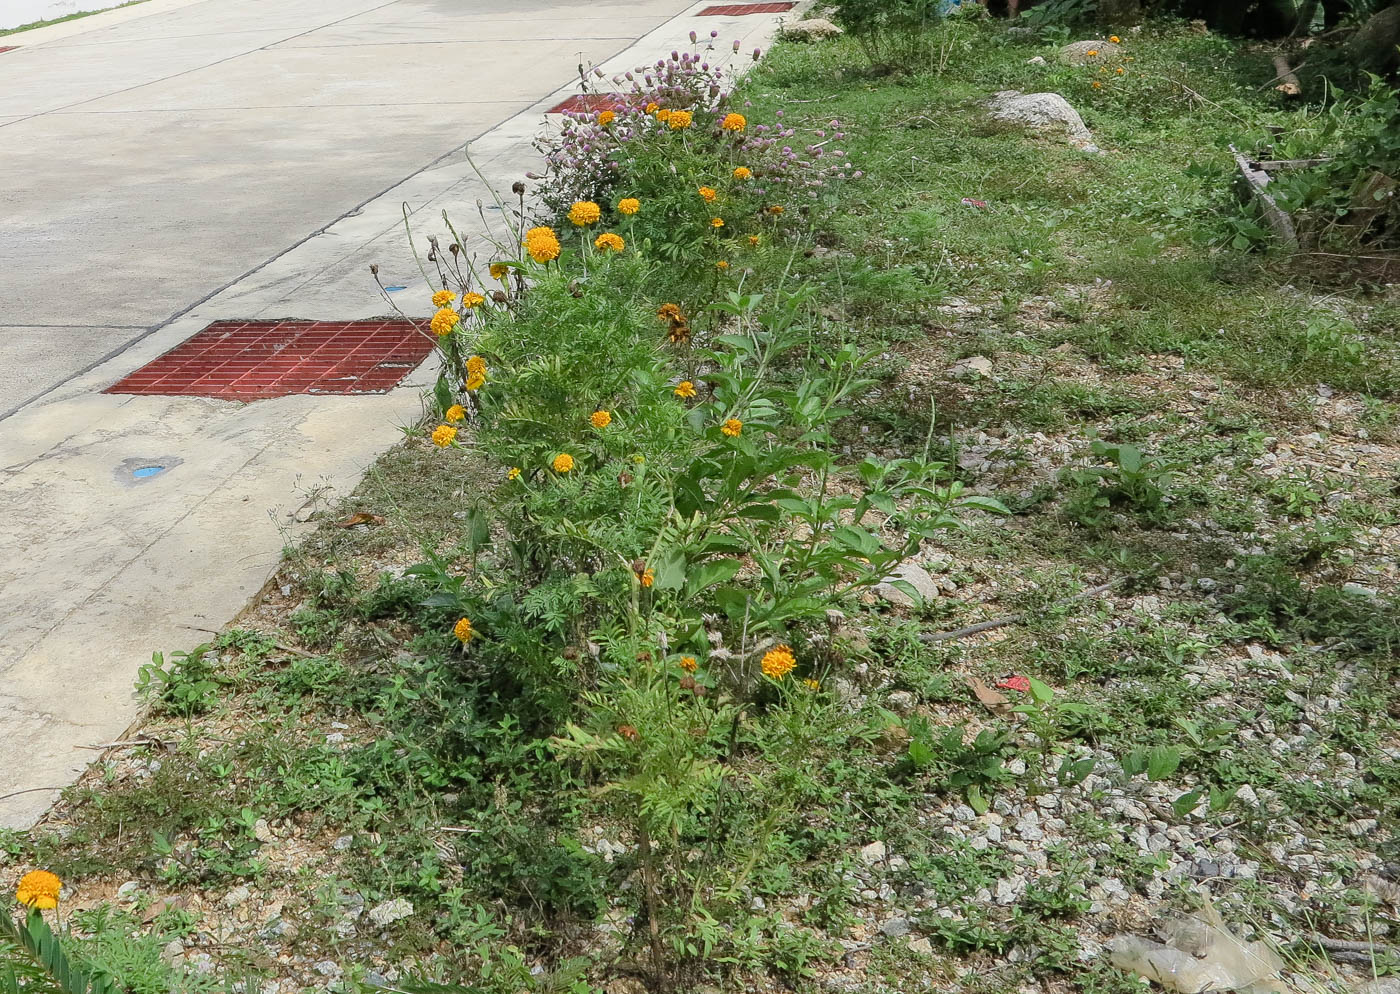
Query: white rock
[[811, 29], [391, 911], [128, 891], [1036, 60], [1040, 111], [914, 575], [873, 853], [262, 831], [970, 368], [237, 896], [1076, 53]]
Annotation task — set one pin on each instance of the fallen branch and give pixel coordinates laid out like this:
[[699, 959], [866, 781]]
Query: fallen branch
[[1353, 947], [1012, 619], [1289, 85]]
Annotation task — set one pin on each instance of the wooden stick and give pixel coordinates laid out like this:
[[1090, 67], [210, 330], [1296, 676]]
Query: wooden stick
[[1289, 87], [1011, 619]]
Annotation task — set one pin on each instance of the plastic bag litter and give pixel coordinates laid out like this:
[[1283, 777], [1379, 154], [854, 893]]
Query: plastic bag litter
[[1200, 954]]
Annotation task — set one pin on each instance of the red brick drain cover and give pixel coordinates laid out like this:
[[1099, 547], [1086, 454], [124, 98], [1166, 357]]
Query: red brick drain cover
[[591, 103], [7, 48], [252, 360], [746, 8]]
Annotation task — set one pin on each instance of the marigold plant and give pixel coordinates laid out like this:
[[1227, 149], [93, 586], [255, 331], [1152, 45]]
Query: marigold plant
[[542, 243], [608, 241], [444, 435], [778, 662], [584, 213], [444, 321], [39, 889]]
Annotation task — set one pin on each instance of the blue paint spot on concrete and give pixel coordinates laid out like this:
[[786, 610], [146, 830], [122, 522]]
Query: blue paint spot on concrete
[[143, 472], [394, 289]]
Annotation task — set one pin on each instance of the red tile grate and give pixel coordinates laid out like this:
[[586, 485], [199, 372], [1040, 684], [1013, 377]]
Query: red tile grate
[[253, 360], [731, 9], [591, 103], [7, 48]]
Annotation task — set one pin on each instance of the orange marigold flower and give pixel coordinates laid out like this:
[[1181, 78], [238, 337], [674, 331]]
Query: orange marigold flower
[[444, 321], [585, 212], [629, 205], [689, 664], [722, 264], [563, 462], [743, 172], [542, 243], [443, 436], [1114, 38], [1092, 52], [776, 209], [476, 364], [475, 381], [647, 578], [456, 413], [652, 107], [470, 300], [39, 889], [734, 122], [778, 663], [811, 684], [629, 733], [600, 419], [1119, 70], [513, 473], [707, 194], [685, 389], [608, 240], [606, 117], [679, 120], [463, 630], [1098, 85], [444, 298], [499, 270], [732, 427], [716, 222], [753, 240], [663, 115]]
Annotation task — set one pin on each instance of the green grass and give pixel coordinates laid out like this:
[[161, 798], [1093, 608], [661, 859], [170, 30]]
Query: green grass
[[67, 17]]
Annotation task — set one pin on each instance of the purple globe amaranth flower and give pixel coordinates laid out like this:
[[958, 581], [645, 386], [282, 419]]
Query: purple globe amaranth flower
[[714, 34], [820, 134], [692, 37], [857, 174], [756, 53], [736, 44]]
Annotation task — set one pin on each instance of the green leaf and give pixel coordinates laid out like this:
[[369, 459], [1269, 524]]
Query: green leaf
[[1041, 692], [975, 800], [1221, 799], [1162, 762], [708, 574], [1187, 803]]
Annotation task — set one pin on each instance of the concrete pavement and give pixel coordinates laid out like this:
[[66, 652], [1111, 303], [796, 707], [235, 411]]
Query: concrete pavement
[[224, 159]]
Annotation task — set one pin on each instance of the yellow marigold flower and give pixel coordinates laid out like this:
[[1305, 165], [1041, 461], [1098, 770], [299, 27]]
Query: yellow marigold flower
[[734, 122], [722, 264], [456, 413], [629, 205], [463, 630], [1119, 70], [584, 212], [652, 107], [1092, 52], [476, 364], [707, 194], [542, 243], [475, 381], [609, 240], [606, 117], [39, 889], [563, 462], [753, 240], [513, 473], [444, 321], [743, 172], [775, 209], [499, 270], [444, 298], [663, 115], [600, 419], [679, 120], [716, 222], [647, 578], [685, 389], [1114, 38], [778, 663], [443, 435], [470, 300], [811, 684], [1098, 85], [732, 427], [689, 664]]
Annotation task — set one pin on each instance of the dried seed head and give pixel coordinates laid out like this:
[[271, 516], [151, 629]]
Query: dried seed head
[[700, 690], [455, 248], [688, 682], [638, 565], [570, 653], [518, 188], [374, 269], [644, 656]]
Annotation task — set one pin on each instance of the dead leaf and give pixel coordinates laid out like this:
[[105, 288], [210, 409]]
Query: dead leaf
[[361, 518], [161, 906], [985, 694]]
